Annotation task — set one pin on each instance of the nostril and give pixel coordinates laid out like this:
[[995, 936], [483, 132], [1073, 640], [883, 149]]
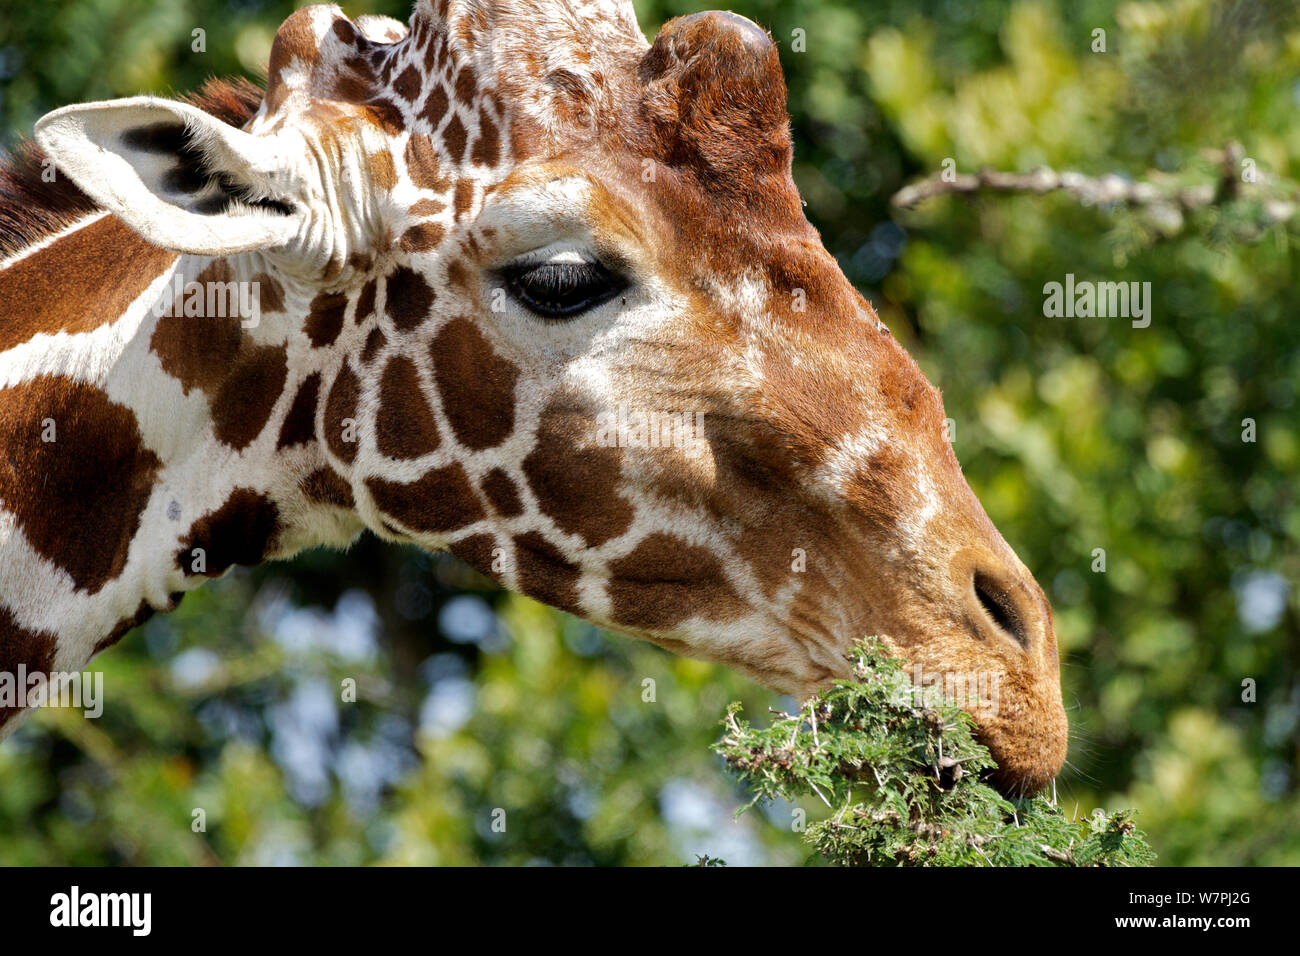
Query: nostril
[[999, 606]]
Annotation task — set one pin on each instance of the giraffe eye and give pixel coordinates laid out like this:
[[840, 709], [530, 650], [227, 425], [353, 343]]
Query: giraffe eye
[[560, 290]]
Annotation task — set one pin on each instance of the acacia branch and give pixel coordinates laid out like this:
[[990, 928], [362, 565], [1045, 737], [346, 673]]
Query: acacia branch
[[1166, 201]]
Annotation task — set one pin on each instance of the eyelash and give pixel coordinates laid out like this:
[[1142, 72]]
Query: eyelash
[[562, 290]]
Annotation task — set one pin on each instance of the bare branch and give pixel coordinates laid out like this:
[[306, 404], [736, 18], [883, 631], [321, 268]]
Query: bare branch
[[1165, 201]]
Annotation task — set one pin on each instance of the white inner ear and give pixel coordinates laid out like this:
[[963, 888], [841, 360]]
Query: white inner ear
[[181, 178]]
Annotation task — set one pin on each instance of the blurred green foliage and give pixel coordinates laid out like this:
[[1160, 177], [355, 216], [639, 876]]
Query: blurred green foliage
[[1077, 434]]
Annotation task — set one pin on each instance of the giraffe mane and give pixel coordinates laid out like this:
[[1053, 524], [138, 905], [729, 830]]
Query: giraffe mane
[[32, 209]]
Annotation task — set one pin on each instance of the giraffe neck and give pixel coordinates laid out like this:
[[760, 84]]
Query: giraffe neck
[[157, 425]]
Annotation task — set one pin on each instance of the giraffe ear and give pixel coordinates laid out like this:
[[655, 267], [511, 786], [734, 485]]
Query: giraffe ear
[[715, 91], [182, 179]]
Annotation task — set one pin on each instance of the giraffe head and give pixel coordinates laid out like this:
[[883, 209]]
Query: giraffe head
[[550, 301]]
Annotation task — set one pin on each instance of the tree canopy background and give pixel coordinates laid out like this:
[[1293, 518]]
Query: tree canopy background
[[1077, 434]]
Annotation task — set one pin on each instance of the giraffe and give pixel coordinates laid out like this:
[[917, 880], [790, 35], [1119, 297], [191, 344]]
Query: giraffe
[[491, 256]]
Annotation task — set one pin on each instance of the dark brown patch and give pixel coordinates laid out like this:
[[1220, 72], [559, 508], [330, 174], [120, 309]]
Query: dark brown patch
[[242, 380], [544, 573], [453, 139], [502, 494], [270, 294], [574, 483], [361, 64], [409, 298], [324, 486], [665, 580], [241, 531], [463, 198], [245, 400], [375, 341], [198, 350], [78, 499], [408, 83], [476, 384], [300, 423], [476, 551], [466, 86], [325, 318], [422, 237], [347, 87], [487, 148], [404, 425], [441, 500], [422, 165], [19, 647], [340, 410], [82, 281], [365, 302], [435, 106], [344, 30], [387, 115]]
